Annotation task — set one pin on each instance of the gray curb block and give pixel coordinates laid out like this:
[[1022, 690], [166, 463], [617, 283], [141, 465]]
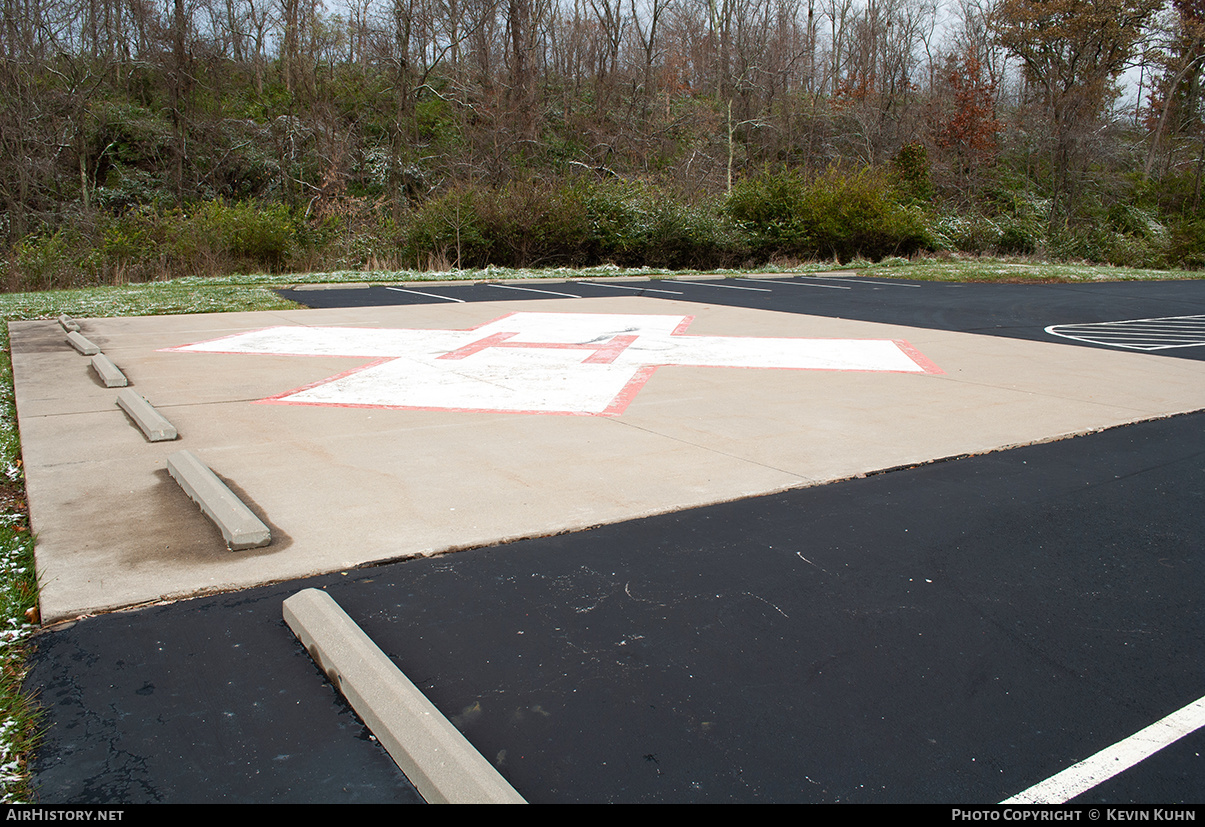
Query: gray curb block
[[69, 324], [241, 528], [153, 424], [438, 760], [82, 344], [108, 372]]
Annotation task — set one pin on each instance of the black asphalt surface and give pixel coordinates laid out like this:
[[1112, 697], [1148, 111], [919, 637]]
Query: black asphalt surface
[[951, 633], [1020, 311]]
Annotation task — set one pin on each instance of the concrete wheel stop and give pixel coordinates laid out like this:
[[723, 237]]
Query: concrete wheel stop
[[153, 424], [82, 343], [441, 764], [238, 524], [109, 373]]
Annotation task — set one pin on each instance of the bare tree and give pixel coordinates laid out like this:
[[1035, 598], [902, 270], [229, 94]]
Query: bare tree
[[1072, 51]]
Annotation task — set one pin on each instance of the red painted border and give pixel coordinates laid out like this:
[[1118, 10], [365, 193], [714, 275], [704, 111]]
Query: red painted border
[[923, 362], [280, 397], [604, 354]]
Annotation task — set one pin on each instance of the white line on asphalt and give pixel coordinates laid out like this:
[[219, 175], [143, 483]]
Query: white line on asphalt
[[1159, 333], [419, 293], [1114, 760], [798, 284], [625, 287], [533, 290], [1145, 329], [725, 286], [886, 283]]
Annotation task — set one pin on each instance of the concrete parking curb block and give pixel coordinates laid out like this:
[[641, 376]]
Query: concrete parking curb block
[[154, 424], [108, 372], [241, 528], [80, 343], [438, 760], [69, 324]]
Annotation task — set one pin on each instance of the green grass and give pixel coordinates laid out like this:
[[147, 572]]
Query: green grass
[[921, 269], [19, 721], [1012, 270], [18, 595]]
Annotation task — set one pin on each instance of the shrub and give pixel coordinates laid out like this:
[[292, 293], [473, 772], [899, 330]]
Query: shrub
[[836, 215], [638, 225], [684, 235], [260, 235], [44, 260], [126, 188], [1187, 244], [1019, 236], [530, 223], [446, 229], [1020, 219], [971, 233], [910, 167]]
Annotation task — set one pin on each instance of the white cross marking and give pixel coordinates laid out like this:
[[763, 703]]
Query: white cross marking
[[565, 363]]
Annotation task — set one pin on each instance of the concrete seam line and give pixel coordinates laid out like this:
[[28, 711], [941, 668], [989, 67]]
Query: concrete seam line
[[82, 344], [108, 372], [238, 524], [434, 755], [154, 424]]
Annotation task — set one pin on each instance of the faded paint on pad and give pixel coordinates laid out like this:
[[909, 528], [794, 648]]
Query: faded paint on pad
[[558, 363]]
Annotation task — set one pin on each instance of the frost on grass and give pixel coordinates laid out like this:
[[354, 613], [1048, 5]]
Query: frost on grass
[[988, 269], [18, 594], [17, 715]]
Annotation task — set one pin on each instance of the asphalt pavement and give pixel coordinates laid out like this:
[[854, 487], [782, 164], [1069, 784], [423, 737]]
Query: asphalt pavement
[[1019, 311], [945, 632]]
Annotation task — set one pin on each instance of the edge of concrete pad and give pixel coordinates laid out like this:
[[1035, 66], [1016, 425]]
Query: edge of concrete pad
[[241, 528], [433, 754], [332, 285]]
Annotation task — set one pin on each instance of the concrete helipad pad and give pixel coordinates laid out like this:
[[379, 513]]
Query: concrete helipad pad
[[344, 477]]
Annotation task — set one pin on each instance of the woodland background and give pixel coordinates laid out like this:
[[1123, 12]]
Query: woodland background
[[141, 140]]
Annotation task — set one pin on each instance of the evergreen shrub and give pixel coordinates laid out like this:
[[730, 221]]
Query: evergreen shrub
[[835, 215], [531, 223]]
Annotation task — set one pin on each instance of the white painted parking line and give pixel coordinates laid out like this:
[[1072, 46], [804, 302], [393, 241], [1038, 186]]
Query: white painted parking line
[[1158, 333], [1116, 759], [798, 284], [625, 287], [885, 283], [420, 293], [533, 290], [725, 286]]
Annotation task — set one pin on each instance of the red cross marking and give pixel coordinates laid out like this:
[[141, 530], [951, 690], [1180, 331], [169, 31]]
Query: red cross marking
[[533, 362]]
